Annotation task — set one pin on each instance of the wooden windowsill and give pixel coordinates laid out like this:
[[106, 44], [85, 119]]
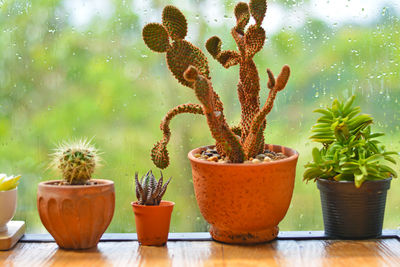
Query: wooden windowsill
[[197, 249], [203, 236]]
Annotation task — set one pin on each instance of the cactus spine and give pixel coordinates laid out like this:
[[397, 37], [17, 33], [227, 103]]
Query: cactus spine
[[189, 66]]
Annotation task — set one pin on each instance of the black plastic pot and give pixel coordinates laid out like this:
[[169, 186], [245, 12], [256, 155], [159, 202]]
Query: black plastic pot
[[350, 212]]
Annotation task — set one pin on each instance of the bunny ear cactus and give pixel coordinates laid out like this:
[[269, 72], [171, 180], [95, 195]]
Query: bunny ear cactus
[[148, 191], [76, 160], [189, 66]]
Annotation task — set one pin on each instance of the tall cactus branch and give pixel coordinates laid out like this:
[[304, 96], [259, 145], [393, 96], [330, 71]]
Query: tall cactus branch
[[159, 153], [189, 66], [220, 130], [251, 145], [249, 43]]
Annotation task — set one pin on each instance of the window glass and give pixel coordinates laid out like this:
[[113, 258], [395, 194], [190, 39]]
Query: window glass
[[80, 68]]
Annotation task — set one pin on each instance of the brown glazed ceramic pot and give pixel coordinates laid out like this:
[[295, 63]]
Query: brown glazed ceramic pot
[[152, 222], [76, 215], [244, 202]]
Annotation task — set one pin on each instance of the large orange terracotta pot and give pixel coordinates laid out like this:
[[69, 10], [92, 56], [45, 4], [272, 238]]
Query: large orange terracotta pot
[[76, 215], [244, 203], [152, 222]]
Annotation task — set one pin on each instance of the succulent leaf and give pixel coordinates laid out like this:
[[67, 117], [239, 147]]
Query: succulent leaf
[[163, 190], [175, 22], [138, 186], [156, 37]]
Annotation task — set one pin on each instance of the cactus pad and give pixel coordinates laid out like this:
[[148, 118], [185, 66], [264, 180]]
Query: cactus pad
[[257, 10], [175, 23], [213, 46], [242, 15], [156, 37], [254, 40], [181, 55], [228, 58], [283, 78]]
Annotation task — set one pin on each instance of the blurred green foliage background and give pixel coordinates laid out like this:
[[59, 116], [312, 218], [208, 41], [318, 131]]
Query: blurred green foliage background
[[71, 69]]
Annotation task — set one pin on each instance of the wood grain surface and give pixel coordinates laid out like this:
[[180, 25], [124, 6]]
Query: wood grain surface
[[384, 252], [9, 238]]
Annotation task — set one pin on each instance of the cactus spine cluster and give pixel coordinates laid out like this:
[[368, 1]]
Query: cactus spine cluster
[[76, 160], [189, 66], [148, 191]]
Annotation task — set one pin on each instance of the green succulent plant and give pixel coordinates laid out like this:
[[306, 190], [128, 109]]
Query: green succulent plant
[[350, 150], [148, 191], [8, 182], [77, 160]]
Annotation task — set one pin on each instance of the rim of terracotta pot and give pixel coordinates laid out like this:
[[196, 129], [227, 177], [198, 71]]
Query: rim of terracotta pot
[[52, 184], [164, 203], [294, 155]]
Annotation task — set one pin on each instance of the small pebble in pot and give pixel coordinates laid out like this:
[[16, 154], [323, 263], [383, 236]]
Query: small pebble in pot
[[247, 161], [213, 158], [260, 156], [256, 161], [267, 159], [197, 155]]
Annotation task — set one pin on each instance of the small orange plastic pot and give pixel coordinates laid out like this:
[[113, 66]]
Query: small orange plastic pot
[[152, 222], [244, 202]]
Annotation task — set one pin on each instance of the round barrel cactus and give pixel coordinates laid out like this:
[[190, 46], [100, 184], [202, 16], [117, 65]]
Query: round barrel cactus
[[77, 160]]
